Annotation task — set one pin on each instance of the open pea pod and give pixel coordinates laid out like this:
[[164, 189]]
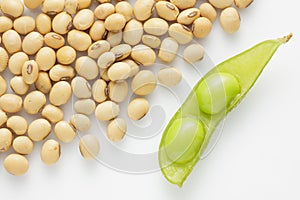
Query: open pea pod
[[214, 96]]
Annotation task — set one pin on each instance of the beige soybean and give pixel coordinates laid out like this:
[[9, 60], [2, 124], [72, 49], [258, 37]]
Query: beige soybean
[[143, 83], [137, 108], [50, 152], [98, 48], [71, 6], [6, 138], [106, 60], [230, 20], [134, 68], [168, 50], [85, 106], [64, 132], [79, 40], [124, 8], [60, 93], [119, 71], [5, 24], [16, 62], [116, 130], [156, 26], [43, 83], [84, 19], [188, 16], [17, 124], [43, 23], [121, 51], [3, 118], [39, 129], [80, 122], [89, 146], [3, 86], [104, 10], [193, 53], [11, 41], [32, 4], [16, 164], [114, 38], [45, 58], [142, 9], [24, 25], [208, 11], [166, 10], [133, 32], [66, 55], [34, 102], [181, 33], [32, 43], [23, 145], [99, 90], [170, 76], [52, 113], [11, 103], [3, 59], [97, 30], [13, 8], [61, 73], [82, 4], [53, 7], [54, 40], [107, 111], [117, 91], [30, 71], [62, 23], [18, 85], [81, 88], [104, 75], [143, 55], [202, 27], [87, 67], [184, 4], [221, 3], [242, 3], [115, 22], [151, 41]]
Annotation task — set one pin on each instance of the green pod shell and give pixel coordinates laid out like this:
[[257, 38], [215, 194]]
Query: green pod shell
[[214, 96]]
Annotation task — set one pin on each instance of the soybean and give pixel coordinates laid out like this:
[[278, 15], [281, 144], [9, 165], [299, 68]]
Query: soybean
[[134, 67], [60, 93], [64, 132], [50, 152], [114, 38], [151, 41], [119, 71], [84, 19], [24, 25], [43, 23], [39, 129], [142, 9], [115, 22], [188, 16], [3, 86], [34, 102], [156, 26], [104, 10], [45, 58], [30, 71], [97, 31], [208, 11], [137, 108], [52, 113], [23, 145], [118, 91], [79, 40], [43, 83], [202, 27], [5, 24], [193, 53], [99, 91], [54, 40], [89, 146], [86, 67], [143, 54], [230, 20], [116, 130], [18, 85], [168, 50], [106, 60], [61, 73], [32, 43], [221, 3], [81, 88], [33, 4], [53, 7], [13, 8], [62, 23], [12, 41], [107, 111], [98, 48], [3, 118], [167, 10], [11, 103], [183, 4], [16, 62], [6, 138], [80, 122], [121, 51], [85, 106], [242, 3], [170, 76], [3, 59], [16, 164], [17, 124], [66, 55], [124, 8], [71, 6], [143, 83], [133, 32], [181, 33]]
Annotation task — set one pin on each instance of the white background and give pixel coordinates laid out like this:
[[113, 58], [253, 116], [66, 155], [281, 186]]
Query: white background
[[257, 156]]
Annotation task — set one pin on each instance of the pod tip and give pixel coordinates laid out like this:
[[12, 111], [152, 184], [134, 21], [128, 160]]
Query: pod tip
[[287, 38]]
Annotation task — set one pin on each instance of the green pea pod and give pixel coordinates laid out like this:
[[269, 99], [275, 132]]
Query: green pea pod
[[216, 94]]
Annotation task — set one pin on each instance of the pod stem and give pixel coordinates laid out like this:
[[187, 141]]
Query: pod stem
[[285, 39]]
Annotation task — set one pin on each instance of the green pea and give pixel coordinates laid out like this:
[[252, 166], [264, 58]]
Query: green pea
[[216, 94], [184, 139]]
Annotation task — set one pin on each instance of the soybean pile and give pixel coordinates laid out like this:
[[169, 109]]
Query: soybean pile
[[97, 51]]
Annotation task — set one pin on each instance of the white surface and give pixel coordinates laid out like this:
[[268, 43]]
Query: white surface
[[256, 158]]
